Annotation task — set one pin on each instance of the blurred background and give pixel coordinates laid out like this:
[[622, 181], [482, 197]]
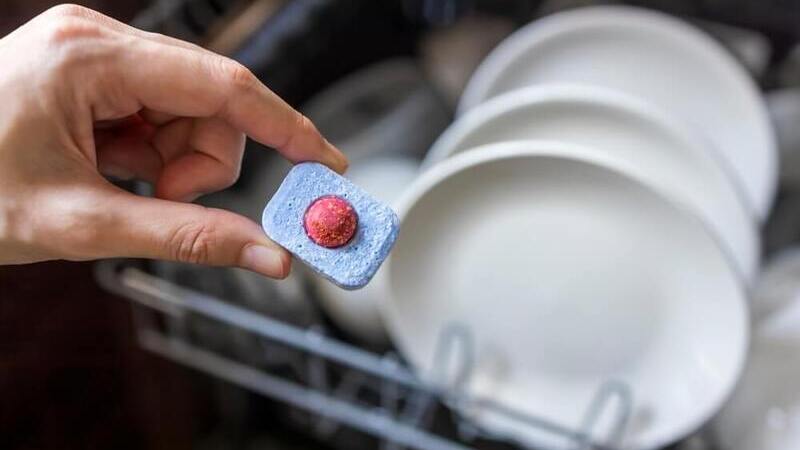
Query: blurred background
[[377, 77]]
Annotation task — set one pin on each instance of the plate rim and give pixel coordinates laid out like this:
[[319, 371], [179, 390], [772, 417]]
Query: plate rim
[[631, 17], [544, 96]]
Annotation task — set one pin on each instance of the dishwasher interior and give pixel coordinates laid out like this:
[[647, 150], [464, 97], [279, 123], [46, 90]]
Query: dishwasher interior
[[383, 78]]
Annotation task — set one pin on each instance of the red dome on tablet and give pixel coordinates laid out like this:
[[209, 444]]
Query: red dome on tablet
[[330, 221]]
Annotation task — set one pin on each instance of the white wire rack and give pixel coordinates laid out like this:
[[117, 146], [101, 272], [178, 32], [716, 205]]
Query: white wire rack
[[341, 385]]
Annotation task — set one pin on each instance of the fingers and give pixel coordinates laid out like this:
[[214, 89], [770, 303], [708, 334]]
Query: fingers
[[171, 140], [123, 150], [212, 164], [159, 229], [185, 158], [177, 78], [183, 82]]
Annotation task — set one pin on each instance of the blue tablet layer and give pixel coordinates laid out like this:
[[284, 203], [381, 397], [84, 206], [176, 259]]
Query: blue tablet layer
[[350, 266]]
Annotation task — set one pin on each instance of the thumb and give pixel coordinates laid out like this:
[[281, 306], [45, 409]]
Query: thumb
[[152, 228]]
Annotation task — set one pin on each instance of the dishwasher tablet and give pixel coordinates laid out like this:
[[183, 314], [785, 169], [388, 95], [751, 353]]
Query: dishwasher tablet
[[330, 224]]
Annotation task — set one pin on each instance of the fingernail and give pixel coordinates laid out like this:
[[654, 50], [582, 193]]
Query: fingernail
[[341, 161], [265, 260]]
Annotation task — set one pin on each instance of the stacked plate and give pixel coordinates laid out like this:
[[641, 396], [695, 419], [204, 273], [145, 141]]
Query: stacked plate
[[591, 215]]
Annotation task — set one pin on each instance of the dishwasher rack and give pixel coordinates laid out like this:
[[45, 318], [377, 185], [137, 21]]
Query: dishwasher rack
[[340, 384]]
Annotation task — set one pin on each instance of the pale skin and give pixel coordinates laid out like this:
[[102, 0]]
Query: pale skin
[[83, 96]]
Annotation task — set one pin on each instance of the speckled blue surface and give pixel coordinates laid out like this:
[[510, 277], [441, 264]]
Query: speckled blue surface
[[350, 266]]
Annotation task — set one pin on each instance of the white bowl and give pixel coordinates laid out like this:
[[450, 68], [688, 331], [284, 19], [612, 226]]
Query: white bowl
[[660, 150], [356, 312], [652, 56], [387, 108], [568, 272]]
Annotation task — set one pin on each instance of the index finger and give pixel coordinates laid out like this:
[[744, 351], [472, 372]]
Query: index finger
[[185, 82]]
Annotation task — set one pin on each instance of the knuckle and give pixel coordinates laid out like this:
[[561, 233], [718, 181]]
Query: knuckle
[[239, 76], [193, 243], [304, 126], [66, 10], [76, 46], [299, 125], [66, 30]]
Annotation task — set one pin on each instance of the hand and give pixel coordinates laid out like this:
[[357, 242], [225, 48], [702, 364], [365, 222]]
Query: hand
[[82, 95]]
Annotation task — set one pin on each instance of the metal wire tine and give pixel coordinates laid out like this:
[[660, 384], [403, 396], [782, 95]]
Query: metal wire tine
[[389, 389], [418, 409], [415, 409], [347, 390], [454, 346], [414, 414], [138, 286], [601, 402], [453, 337], [154, 294], [317, 366], [348, 414], [317, 376]]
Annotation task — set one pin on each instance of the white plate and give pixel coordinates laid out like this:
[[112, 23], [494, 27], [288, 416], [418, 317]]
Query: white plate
[[569, 273], [660, 150], [650, 55]]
